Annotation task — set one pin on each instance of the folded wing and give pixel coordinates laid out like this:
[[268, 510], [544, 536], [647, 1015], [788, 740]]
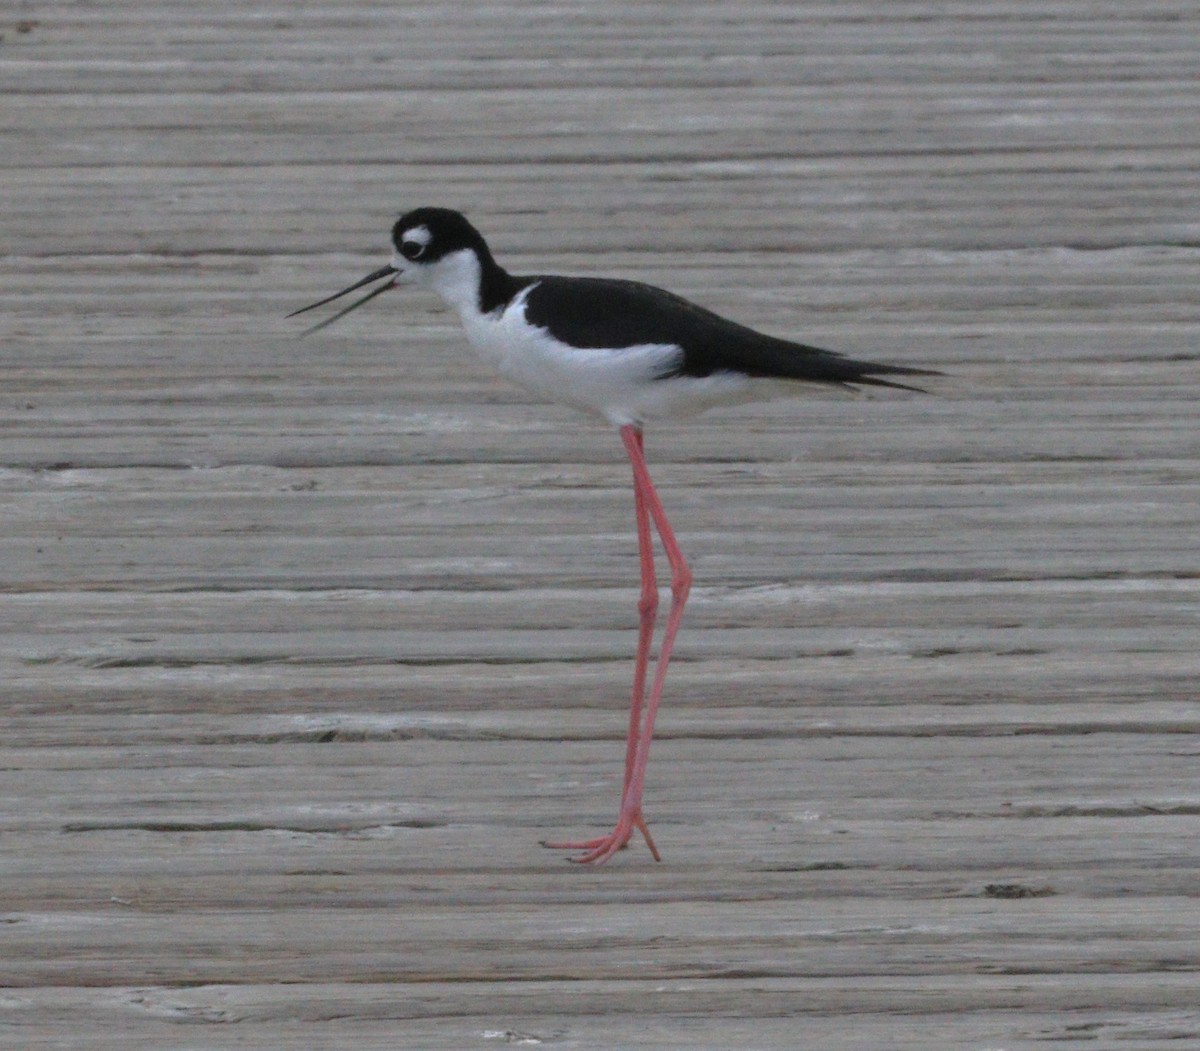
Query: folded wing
[[603, 313]]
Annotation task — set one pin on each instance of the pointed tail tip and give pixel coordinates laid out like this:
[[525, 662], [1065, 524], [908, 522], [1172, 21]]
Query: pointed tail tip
[[875, 378]]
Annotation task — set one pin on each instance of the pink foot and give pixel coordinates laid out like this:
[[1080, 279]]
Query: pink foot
[[598, 851]]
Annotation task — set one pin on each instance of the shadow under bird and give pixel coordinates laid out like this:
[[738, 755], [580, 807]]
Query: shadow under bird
[[631, 353]]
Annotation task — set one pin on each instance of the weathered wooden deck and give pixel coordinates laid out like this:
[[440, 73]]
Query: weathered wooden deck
[[307, 644]]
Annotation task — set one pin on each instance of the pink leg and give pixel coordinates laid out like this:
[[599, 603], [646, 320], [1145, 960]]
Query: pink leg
[[647, 611], [637, 751], [647, 614]]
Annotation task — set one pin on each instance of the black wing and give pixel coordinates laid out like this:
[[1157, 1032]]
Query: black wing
[[600, 312]]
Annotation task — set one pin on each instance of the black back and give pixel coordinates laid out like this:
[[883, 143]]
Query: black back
[[599, 312]]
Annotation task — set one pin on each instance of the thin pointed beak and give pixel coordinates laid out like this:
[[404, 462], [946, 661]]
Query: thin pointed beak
[[382, 272]]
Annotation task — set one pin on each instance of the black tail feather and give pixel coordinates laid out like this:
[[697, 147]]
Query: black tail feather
[[867, 374]]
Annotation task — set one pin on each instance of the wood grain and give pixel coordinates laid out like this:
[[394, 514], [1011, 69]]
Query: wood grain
[[306, 644]]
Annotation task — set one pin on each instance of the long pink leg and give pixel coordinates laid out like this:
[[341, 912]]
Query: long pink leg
[[630, 816], [647, 612]]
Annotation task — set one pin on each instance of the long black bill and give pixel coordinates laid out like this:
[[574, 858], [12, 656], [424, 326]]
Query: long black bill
[[382, 272], [346, 310]]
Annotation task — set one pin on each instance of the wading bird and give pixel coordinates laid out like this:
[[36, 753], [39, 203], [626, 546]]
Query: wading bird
[[631, 353]]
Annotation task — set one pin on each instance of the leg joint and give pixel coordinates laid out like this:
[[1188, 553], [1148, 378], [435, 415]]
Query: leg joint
[[681, 582]]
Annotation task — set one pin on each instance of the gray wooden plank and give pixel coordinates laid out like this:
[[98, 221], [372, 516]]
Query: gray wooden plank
[[305, 644]]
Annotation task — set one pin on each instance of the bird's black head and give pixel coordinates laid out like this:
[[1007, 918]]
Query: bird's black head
[[425, 235]]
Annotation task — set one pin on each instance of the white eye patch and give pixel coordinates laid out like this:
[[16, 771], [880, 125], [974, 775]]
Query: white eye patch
[[414, 242]]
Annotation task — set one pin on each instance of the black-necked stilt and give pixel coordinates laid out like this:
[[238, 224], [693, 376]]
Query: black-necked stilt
[[631, 353]]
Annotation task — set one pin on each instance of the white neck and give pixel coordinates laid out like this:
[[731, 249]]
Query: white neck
[[456, 278]]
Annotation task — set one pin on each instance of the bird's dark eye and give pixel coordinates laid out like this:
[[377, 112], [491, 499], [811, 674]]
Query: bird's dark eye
[[412, 249]]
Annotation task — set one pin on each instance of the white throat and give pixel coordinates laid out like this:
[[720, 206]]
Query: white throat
[[456, 278]]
